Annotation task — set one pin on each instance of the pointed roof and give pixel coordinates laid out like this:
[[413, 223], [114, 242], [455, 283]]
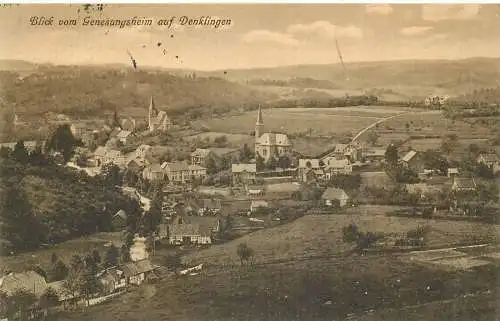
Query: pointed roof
[[260, 120], [152, 106]]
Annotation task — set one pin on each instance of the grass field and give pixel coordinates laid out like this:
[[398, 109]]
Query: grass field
[[321, 236], [64, 251]]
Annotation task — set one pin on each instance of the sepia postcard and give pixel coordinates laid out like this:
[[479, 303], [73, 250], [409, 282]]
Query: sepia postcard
[[253, 162]]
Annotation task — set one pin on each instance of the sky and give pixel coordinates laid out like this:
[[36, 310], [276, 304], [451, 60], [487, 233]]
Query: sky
[[259, 35]]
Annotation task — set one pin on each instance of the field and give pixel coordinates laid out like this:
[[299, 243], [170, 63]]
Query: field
[[321, 236], [300, 274], [63, 250]]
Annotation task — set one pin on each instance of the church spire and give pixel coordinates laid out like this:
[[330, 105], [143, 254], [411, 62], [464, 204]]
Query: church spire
[[260, 120], [259, 124], [151, 114]]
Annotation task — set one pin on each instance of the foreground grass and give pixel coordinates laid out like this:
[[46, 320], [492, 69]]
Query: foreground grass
[[294, 291]]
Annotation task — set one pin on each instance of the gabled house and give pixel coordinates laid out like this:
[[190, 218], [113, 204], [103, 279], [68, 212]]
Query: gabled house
[[119, 220], [335, 197], [309, 169], [461, 184], [452, 172], [29, 281], [413, 160], [138, 272], [243, 173], [200, 155], [492, 160], [177, 172], [193, 230], [153, 172], [258, 204], [335, 167], [113, 279], [123, 135], [340, 150], [210, 207]]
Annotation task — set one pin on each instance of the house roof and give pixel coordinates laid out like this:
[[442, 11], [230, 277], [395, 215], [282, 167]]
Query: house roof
[[138, 267], [259, 203], [409, 156], [29, 281], [489, 157], [194, 225], [175, 167], [220, 152], [309, 163], [238, 168], [272, 139], [380, 152], [196, 168], [453, 170], [337, 163], [464, 183], [333, 193], [121, 213], [211, 203], [422, 188], [201, 152]]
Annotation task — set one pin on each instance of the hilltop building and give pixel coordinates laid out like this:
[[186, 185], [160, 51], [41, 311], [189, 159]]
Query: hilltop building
[[157, 119], [269, 144]]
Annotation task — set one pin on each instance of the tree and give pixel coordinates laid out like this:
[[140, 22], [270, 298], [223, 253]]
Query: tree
[[110, 174], [391, 154], [244, 252], [245, 154], [259, 162], [89, 284], [211, 166], [350, 233], [76, 262], [49, 298], [284, 161], [20, 154], [60, 271], [96, 256], [111, 257], [125, 254], [53, 258], [72, 283], [449, 143], [63, 141], [36, 157], [271, 163]]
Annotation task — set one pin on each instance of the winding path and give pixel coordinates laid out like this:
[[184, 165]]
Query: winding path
[[364, 130]]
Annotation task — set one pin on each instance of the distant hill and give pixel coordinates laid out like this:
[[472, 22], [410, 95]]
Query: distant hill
[[94, 90]]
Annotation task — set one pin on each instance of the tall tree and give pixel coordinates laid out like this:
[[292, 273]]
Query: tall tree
[[111, 257], [20, 153], [391, 154], [63, 141], [110, 174], [260, 162]]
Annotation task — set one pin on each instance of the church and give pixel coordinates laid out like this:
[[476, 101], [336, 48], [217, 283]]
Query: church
[[269, 144], [157, 119]]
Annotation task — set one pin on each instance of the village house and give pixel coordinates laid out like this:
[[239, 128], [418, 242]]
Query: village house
[[243, 173], [452, 172], [413, 160], [113, 279], [336, 167], [306, 166], [335, 197], [123, 135], [138, 272], [210, 207], [29, 281], [255, 205], [104, 155], [193, 230], [462, 184], [119, 220], [181, 173], [153, 172], [201, 155], [492, 160], [374, 154]]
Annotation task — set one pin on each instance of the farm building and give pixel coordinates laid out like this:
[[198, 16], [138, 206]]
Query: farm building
[[193, 230], [243, 173], [413, 161], [255, 205], [335, 196], [138, 272], [461, 184], [29, 281], [492, 160], [113, 279]]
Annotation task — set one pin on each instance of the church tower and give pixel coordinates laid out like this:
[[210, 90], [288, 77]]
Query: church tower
[[151, 114], [259, 126]]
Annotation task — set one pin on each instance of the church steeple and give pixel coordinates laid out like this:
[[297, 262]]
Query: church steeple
[[151, 114], [259, 124]]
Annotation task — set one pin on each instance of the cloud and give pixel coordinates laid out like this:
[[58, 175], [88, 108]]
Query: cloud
[[270, 36], [381, 9], [415, 30], [326, 29], [450, 12]]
